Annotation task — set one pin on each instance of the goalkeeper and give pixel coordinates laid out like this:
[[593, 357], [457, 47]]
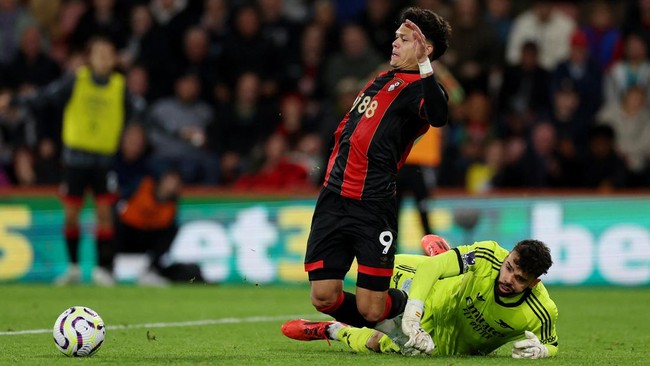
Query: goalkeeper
[[470, 300]]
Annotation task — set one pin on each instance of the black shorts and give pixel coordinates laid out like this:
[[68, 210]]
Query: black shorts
[[344, 228], [101, 180]]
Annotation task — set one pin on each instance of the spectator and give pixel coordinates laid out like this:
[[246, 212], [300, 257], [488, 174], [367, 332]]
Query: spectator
[[473, 53], [243, 126], [632, 70], [544, 165], [604, 169], [246, 50], [178, 127], [324, 16], [137, 82], [499, 17], [604, 39], [378, 22], [133, 160], [637, 19], [31, 67], [277, 170], [482, 176], [356, 59], [547, 27], [583, 75], [215, 22], [197, 60], [277, 28], [304, 74], [572, 126], [101, 18], [13, 20], [47, 164], [524, 94], [173, 17], [147, 45], [631, 124]]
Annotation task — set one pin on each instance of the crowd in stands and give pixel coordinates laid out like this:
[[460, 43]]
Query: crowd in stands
[[246, 94]]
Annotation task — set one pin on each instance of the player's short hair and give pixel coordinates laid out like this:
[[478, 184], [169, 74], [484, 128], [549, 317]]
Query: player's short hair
[[534, 257], [434, 27], [96, 39]]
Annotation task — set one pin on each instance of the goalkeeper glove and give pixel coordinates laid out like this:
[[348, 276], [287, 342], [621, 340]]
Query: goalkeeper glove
[[419, 340], [530, 347]]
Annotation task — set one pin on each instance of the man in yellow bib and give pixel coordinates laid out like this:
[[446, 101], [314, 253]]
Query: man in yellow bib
[[96, 105]]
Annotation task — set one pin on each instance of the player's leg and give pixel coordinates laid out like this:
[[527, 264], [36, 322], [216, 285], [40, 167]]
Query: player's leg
[[358, 339], [375, 247], [104, 188], [72, 192], [329, 257], [422, 180]]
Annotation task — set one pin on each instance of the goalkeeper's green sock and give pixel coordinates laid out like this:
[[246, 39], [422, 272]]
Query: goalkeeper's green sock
[[357, 338]]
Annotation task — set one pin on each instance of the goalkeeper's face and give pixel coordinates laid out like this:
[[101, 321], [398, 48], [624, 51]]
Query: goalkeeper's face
[[512, 280]]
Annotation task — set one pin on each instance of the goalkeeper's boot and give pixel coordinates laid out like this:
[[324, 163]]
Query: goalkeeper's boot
[[434, 245], [305, 330]]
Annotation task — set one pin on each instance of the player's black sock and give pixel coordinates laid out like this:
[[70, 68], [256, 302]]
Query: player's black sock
[[397, 303], [105, 251], [71, 235], [345, 310]]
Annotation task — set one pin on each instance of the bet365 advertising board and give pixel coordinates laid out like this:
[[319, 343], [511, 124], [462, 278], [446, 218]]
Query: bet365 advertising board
[[594, 240]]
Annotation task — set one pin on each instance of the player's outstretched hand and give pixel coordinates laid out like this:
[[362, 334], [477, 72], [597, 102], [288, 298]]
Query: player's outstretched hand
[[420, 41], [419, 340], [530, 347]]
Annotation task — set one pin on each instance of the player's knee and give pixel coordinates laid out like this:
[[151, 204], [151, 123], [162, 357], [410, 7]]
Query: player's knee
[[372, 315], [323, 300]]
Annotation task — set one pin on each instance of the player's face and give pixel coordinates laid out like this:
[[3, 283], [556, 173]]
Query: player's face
[[102, 58], [512, 280], [403, 55]]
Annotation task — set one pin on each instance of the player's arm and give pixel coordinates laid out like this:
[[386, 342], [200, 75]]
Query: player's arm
[[426, 275], [542, 341], [431, 270], [433, 106], [57, 93]]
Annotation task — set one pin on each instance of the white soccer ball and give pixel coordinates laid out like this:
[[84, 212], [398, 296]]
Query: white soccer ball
[[79, 331]]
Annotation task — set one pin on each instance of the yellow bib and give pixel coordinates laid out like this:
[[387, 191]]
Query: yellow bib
[[94, 116]]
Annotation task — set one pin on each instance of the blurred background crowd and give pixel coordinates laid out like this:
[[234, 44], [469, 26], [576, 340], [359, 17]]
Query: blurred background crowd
[[246, 94]]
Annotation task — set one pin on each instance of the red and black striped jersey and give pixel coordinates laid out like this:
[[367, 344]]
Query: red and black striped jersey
[[376, 135]]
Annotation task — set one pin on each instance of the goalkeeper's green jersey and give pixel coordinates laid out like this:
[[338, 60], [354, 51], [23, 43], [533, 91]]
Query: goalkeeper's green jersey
[[462, 311]]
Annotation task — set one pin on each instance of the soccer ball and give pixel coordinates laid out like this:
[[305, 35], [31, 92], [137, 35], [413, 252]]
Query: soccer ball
[[79, 331]]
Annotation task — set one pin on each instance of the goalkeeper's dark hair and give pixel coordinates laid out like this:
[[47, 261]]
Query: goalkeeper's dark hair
[[534, 257], [434, 27]]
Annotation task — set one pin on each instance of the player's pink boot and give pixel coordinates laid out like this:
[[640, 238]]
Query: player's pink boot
[[434, 245], [305, 330]]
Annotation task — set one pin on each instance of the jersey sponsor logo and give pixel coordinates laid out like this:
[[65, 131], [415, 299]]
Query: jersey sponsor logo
[[503, 324], [549, 340], [480, 297], [395, 84], [478, 322]]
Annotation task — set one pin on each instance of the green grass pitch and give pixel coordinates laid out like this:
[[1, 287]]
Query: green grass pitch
[[240, 325]]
